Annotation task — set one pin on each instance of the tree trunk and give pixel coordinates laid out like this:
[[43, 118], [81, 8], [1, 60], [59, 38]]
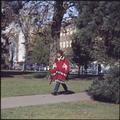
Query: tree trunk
[[82, 70], [55, 29], [26, 50], [79, 71]]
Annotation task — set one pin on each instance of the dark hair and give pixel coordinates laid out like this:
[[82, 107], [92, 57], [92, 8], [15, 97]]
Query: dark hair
[[60, 52]]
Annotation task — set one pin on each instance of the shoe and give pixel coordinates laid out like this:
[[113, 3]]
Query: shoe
[[54, 93], [66, 92]]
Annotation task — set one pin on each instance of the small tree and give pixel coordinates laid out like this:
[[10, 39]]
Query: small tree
[[39, 52], [82, 55]]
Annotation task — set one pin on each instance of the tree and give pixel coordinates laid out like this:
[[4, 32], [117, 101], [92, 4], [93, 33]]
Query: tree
[[41, 18], [99, 28], [36, 14], [59, 11], [32, 19], [17, 12], [9, 15], [81, 54], [4, 52], [39, 52]]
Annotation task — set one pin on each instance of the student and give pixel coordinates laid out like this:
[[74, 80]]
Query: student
[[99, 69], [59, 72]]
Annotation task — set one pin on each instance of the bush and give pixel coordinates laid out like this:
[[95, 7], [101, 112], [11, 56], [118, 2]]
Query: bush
[[40, 75], [107, 88]]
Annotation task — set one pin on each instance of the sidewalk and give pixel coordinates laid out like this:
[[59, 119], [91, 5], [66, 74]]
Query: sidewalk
[[19, 101]]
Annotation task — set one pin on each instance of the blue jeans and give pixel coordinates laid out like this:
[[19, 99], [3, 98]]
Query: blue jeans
[[57, 85]]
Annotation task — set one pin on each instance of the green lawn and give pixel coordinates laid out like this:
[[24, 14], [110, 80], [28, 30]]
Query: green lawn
[[72, 110], [21, 85], [26, 85]]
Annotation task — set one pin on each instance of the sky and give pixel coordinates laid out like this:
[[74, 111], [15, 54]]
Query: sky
[[75, 12], [50, 15]]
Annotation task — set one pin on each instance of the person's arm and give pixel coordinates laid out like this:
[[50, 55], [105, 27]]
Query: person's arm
[[66, 67], [53, 69]]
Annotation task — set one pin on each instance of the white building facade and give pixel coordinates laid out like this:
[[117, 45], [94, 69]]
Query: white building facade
[[16, 39], [21, 48]]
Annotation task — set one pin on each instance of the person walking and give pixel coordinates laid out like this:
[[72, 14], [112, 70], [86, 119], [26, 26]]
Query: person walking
[[59, 72], [99, 69]]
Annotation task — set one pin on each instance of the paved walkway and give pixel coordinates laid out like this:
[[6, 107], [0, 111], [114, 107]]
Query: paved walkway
[[19, 101]]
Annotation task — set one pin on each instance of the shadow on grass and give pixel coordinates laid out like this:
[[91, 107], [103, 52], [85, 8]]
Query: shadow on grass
[[68, 92]]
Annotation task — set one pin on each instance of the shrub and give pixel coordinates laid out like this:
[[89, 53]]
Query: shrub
[[107, 88], [40, 75]]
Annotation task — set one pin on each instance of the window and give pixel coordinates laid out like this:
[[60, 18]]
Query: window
[[61, 34], [67, 44], [70, 43], [63, 44]]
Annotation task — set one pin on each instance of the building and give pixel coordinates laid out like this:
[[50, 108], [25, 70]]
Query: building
[[16, 47], [20, 54], [17, 50], [67, 29]]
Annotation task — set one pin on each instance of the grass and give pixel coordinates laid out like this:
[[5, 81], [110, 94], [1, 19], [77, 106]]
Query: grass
[[22, 85], [27, 85], [72, 110]]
